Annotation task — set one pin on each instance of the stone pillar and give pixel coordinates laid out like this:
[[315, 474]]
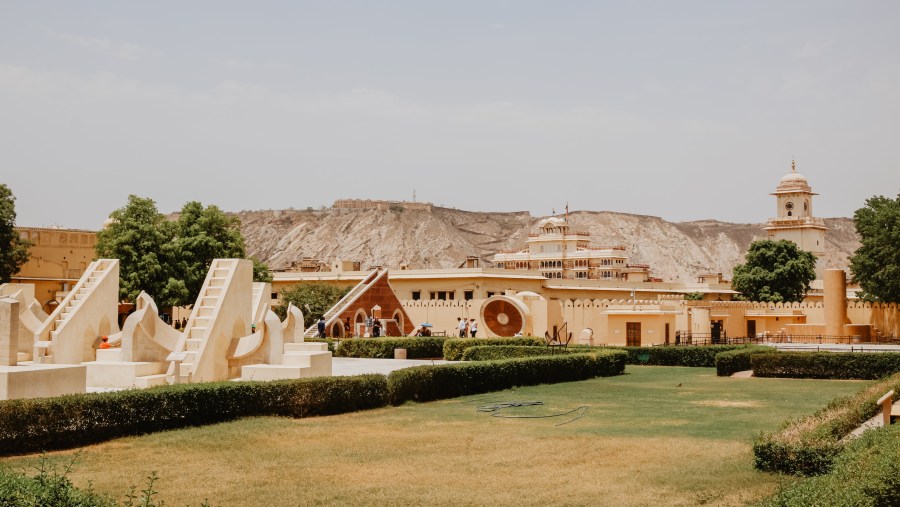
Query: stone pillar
[[835, 301], [9, 332]]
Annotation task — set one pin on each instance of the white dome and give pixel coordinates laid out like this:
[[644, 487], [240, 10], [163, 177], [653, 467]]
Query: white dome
[[793, 181]]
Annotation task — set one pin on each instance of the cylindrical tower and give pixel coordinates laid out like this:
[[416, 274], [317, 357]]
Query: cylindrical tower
[[835, 300]]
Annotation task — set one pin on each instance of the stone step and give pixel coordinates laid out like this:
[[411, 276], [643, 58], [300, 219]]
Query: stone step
[[151, 380], [197, 332], [305, 347], [192, 344]]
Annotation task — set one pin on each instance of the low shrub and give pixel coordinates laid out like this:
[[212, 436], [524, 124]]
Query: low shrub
[[40, 424], [454, 347], [46, 489], [866, 473], [694, 356], [732, 361], [495, 352], [826, 365], [809, 445], [383, 348], [426, 383]]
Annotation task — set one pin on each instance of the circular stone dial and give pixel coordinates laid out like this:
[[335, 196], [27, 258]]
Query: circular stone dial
[[503, 318]]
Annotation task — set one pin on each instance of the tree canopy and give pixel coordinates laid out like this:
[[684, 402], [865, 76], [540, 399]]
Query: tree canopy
[[169, 260], [774, 271], [876, 264], [313, 299], [13, 249]]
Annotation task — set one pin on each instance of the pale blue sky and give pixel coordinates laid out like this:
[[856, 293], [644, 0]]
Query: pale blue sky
[[685, 110]]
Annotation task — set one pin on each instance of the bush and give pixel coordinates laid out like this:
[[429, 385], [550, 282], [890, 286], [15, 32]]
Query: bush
[[426, 383], [694, 356], [383, 348], [495, 352], [866, 473], [809, 445], [49, 488], [39, 424], [454, 347], [826, 365], [733, 361]]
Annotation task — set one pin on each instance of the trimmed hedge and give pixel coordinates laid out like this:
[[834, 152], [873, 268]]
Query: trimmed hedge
[[693, 356], [454, 347], [732, 361], [826, 365], [41, 424], [809, 445], [495, 352], [866, 473], [383, 348], [426, 383]]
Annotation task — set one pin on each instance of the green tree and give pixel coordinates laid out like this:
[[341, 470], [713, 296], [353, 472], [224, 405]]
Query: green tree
[[876, 264], [201, 235], [313, 299], [140, 237], [775, 271], [13, 249], [693, 296], [261, 271]]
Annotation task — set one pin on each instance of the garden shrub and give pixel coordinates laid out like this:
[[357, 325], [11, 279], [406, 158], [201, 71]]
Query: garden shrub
[[809, 445], [495, 352], [866, 473], [826, 365], [383, 348], [426, 383], [693, 356], [38, 424], [454, 347], [733, 361]]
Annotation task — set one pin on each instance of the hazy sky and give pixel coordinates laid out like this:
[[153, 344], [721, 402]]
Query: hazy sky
[[685, 110]]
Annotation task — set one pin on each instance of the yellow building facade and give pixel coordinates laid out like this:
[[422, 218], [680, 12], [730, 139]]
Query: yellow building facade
[[58, 258]]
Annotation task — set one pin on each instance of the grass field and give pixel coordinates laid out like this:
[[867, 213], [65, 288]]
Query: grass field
[[654, 436]]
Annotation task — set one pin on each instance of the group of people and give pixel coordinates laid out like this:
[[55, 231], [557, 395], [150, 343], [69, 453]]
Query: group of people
[[179, 324], [468, 328]]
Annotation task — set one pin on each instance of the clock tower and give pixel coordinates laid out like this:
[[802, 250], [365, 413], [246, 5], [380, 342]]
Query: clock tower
[[794, 219]]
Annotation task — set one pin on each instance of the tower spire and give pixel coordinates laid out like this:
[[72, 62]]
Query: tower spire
[[793, 166]]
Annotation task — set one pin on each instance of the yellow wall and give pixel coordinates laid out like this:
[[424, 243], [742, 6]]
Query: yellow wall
[[57, 260]]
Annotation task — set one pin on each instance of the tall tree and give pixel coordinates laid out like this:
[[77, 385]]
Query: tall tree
[[139, 236], [774, 271], [201, 235], [876, 264], [13, 249]]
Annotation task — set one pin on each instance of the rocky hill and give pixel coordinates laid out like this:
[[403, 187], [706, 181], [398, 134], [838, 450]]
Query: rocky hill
[[442, 237]]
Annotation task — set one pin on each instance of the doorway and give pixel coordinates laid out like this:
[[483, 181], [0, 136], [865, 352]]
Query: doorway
[[633, 334], [751, 329]]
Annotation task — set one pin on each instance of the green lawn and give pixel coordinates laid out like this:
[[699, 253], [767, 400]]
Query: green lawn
[[643, 440]]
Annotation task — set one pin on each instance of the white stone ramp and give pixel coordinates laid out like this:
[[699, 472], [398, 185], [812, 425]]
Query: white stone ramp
[[91, 309], [346, 301], [222, 311]]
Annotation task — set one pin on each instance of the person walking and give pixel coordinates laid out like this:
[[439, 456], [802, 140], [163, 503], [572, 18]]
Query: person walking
[[376, 329], [321, 327], [473, 329], [461, 325]]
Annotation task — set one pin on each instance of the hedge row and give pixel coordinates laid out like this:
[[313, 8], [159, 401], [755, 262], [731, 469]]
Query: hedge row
[[426, 383], [866, 473], [37, 424], [732, 361], [496, 352], [454, 347], [76, 420], [694, 356], [826, 365], [383, 348], [809, 445]]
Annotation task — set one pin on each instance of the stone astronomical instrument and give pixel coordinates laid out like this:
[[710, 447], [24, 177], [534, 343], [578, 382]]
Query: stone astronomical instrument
[[504, 316]]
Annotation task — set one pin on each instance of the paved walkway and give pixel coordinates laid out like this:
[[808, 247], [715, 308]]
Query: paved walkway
[[345, 366]]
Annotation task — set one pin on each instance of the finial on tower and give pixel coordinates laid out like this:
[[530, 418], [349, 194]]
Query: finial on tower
[[793, 166]]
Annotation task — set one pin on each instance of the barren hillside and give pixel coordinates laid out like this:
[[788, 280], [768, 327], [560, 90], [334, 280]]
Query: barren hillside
[[444, 237]]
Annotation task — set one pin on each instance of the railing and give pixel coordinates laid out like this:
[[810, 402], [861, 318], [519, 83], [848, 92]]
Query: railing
[[689, 338]]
